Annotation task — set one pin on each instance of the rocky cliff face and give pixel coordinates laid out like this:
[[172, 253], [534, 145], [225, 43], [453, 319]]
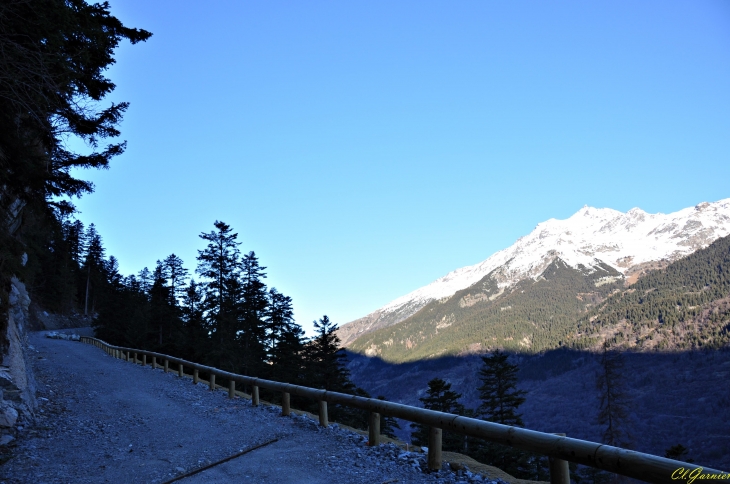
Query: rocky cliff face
[[17, 384]]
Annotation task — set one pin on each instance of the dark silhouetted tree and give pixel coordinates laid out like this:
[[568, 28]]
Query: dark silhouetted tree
[[614, 403], [441, 398]]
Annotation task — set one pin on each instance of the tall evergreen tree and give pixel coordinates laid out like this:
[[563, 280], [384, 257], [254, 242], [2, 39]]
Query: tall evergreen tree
[[326, 361], [442, 398], [285, 340], [220, 266], [253, 311], [53, 56], [145, 280], [614, 403], [500, 400], [176, 276], [498, 392], [94, 269], [326, 368], [196, 338]]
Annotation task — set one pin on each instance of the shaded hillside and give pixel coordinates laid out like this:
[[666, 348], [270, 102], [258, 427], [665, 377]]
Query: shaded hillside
[[686, 305], [532, 316], [677, 398]]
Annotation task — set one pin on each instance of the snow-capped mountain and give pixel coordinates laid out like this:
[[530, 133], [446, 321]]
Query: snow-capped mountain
[[592, 236]]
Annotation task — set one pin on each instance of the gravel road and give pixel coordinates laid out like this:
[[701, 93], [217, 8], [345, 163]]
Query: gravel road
[[102, 419]]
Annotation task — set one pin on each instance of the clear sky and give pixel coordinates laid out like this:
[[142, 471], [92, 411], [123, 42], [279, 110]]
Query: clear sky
[[364, 149]]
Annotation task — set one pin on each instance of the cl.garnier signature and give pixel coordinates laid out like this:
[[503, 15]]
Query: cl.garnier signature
[[697, 473]]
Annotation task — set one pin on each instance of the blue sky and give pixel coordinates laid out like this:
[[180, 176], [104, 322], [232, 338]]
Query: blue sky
[[364, 149]]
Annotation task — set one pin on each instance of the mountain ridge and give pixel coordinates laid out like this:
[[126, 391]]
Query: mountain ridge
[[627, 242]]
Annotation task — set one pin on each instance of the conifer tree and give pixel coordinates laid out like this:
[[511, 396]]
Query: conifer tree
[[196, 338], [94, 269], [164, 313], [285, 340], [176, 276], [220, 266], [498, 393], [253, 311], [326, 361], [326, 368], [614, 401], [500, 400], [442, 398]]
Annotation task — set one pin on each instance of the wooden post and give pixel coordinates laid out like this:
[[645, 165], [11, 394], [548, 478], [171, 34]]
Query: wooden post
[[167, 365], [231, 389], [285, 404], [559, 471], [434, 449], [374, 429], [195, 376], [144, 360], [180, 370], [126, 356], [154, 362], [134, 356], [323, 413], [211, 381], [255, 396]]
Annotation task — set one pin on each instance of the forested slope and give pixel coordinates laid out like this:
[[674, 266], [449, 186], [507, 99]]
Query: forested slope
[[685, 305]]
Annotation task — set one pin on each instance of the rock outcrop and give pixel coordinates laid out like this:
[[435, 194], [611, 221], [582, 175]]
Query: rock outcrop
[[17, 384]]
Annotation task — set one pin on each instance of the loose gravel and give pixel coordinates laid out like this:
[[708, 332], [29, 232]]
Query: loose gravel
[[102, 419]]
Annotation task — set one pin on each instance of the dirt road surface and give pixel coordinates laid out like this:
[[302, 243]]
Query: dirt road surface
[[103, 419]]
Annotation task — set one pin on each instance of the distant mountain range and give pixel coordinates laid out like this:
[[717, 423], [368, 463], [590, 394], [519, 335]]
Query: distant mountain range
[[529, 296]]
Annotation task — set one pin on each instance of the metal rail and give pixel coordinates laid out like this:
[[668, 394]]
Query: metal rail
[[645, 467]]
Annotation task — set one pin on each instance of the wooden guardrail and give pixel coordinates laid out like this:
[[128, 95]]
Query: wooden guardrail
[[559, 448]]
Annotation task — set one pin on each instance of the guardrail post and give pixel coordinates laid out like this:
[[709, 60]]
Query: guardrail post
[[323, 413], [154, 362], [285, 404], [255, 396], [231, 388], [212, 381], [180, 370], [434, 449], [144, 360], [166, 365], [134, 357], [195, 376], [559, 470], [126, 355], [374, 429]]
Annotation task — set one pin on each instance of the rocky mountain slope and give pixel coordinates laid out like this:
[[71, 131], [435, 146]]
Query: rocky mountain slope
[[592, 240]]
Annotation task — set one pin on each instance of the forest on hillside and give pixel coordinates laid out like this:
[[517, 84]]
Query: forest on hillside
[[685, 305]]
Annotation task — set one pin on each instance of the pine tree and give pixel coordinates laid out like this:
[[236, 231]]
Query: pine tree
[[326, 368], [326, 361], [500, 400], [176, 276], [164, 312], [196, 339], [614, 401], [253, 311], [441, 398], [94, 269], [285, 340], [498, 393], [220, 265]]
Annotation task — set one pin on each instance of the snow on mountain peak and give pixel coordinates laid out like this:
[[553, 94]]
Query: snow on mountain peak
[[587, 238]]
